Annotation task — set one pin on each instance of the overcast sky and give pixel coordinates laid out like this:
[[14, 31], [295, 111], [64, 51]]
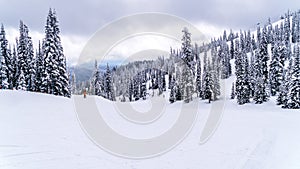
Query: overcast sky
[[80, 19]]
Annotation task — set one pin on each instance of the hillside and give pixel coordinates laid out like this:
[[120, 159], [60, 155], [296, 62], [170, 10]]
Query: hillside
[[42, 131]]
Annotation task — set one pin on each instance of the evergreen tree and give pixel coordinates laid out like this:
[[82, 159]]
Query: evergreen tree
[[5, 73], [258, 33], [39, 68], [178, 85], [136, 89], [225, 61], [207, 82], [253, 43], [276, 71], [215, 84], [30, 62], [26, 57], [252, 78], [163, 81], [248, 41], [232, 96], [186, 48], [242, 79], [73, 88], [172, 92], [14, 64], [260, 95], [187, 66], [286, 76], [295, 27], [198, 79], [188, 87], [55, 79], [160, 80], [130, 91], [109, 85], [261, 68], [143, 89], [294, 84], [231, 49], [95, 82], [205, 78], [21, 81]]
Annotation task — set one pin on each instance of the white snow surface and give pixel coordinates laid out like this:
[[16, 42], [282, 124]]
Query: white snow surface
[[42, 131]]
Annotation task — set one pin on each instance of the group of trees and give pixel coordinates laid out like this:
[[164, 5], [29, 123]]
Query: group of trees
[[265, 65], [188, 77], [42, 71], [274, 73], [101, 83]]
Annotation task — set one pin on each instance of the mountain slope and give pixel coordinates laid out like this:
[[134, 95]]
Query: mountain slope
[[42, 131]]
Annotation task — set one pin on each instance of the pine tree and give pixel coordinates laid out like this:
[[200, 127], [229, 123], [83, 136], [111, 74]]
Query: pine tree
[[260, 87], [283, 90], [282, 99], [172, 98], [231, 49], [109, 85], [269, 31], [130, 91], [136, 88], [14, 64], [242, 40], [225, 61], [198, 79], [30, 62], [95, 81], [163, 81], [143, 89], [258, 33], [248, 41], [187, 66], [178, 85], [287, 30], [253, 43], [207, 82], [206, 77], [242, 79], [215, 84], [55, 79], [232, 96], [276, 71], [295, 27], [39, 62], [73, 84], [26, 61], [188, 87], [21, 81], [261, 68], [252, 78], [294, 84], [4, 61], [159, 82], [186, 48], [287, 37]]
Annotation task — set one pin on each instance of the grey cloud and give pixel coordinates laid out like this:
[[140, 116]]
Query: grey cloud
[[84, 17]]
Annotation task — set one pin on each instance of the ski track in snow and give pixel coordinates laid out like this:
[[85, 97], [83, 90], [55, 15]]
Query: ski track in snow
[[42, 131]]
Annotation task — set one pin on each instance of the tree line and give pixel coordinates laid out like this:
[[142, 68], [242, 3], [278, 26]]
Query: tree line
[[266, 64], [44, 70]]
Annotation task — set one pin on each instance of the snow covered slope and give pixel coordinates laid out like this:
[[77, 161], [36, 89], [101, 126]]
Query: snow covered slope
[[42, 131]]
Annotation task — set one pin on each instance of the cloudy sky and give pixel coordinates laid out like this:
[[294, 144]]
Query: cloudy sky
[[80, 19]]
